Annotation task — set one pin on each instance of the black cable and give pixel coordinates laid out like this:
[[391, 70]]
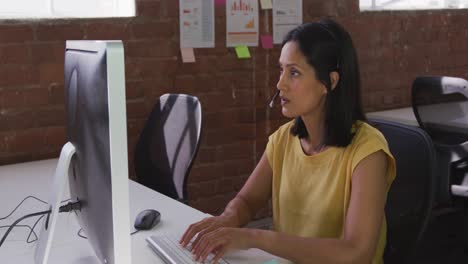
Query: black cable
[[83, 236], [32, 231], [27, 197], [30, 228], [80, 235], [37, 221], [70, 206], [21, 219]]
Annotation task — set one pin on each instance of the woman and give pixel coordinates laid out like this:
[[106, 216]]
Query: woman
[[327, 171]]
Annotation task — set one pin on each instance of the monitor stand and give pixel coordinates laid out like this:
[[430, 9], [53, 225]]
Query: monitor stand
[[44, 243]]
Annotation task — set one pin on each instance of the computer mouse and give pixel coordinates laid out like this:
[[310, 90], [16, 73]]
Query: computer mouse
[[147, 219]]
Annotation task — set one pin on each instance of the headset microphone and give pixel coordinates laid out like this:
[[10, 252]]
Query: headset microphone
[[272, 102]]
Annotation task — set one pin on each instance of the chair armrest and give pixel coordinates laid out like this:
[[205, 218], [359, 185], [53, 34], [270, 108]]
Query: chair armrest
[[462, 189]]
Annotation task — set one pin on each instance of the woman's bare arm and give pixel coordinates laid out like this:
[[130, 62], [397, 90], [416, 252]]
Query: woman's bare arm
[[362, 224], [254, 194]]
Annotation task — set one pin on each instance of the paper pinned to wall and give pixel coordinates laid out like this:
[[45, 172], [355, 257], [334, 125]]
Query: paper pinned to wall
[[241, 23], [188, 55], [287, 14], [196, 19], [266, 4]]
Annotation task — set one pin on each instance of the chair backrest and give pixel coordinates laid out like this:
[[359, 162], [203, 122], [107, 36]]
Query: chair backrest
[[440, 104], [168, 144], [411, 195]]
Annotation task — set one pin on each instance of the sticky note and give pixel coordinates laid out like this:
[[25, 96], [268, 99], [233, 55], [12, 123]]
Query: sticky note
[[266, 4], [267, 41], [187, 55], [220, 2], [273, 261], [242, 52]]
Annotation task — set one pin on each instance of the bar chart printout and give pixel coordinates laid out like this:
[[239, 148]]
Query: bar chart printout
[[241, 6], [242, 23]]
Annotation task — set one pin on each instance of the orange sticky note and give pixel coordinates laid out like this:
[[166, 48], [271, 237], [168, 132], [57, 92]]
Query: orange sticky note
[[187, 55]]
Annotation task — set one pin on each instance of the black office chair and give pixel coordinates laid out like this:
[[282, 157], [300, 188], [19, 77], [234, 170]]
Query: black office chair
[[440, 104], [168, 145], [411, 195]]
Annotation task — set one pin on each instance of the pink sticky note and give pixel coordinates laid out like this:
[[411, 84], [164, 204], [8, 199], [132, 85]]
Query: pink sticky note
[[187, 55], [220, 2], [267, 41]]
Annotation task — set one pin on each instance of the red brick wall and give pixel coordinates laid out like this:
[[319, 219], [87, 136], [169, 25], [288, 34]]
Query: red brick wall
[[394, 48]]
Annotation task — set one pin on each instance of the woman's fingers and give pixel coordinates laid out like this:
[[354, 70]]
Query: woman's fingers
[[188, 234], [221, 240], [211, 246], [199, 244], [215, 225], [193, 230], [219, 255], [209, 242], [201, 234]]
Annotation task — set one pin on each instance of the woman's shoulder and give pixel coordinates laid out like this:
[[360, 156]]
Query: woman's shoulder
[[364, 132], [283, 131], [278, 141]]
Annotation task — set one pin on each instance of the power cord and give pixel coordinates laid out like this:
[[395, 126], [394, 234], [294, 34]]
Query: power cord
[[30, 228], [69, 207], [16, 208], [76, 206], [64, 208], [21, 219], [83, 236]]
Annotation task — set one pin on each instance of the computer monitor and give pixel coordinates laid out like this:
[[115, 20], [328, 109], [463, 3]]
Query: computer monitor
[[95, 157]]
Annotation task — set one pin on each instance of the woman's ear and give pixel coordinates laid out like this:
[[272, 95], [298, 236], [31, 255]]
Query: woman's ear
[[334, 78]]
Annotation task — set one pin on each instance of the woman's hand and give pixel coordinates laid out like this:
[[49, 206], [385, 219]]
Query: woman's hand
[[221, 240], [205, 226]]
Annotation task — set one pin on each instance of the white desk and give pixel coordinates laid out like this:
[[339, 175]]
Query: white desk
[[401, 115], [34, 178], [449, 117], [458, 123]]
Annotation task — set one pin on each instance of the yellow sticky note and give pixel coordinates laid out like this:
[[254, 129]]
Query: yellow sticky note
[[266, 4], [242, 52], [187, 55]]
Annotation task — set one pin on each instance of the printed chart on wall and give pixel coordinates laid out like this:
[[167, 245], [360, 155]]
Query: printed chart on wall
[[242, 23], [287, 14], [196, 23]]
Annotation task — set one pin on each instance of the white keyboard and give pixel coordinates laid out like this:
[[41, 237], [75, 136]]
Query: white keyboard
[[171, 252]]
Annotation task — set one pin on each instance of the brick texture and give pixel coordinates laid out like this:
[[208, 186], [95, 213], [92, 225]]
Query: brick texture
[[393, 48]]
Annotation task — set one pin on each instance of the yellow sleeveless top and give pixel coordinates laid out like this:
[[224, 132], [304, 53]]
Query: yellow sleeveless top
[[311, 194]]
